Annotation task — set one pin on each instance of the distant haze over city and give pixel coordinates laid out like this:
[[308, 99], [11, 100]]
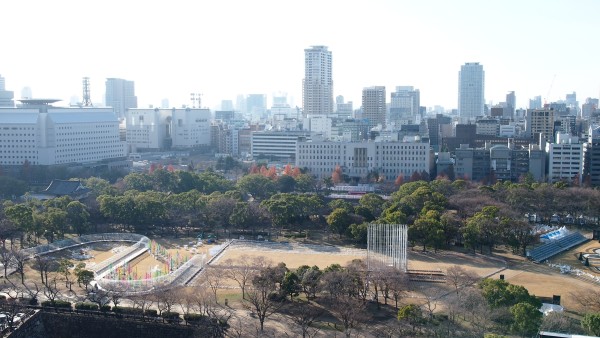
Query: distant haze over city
[[226, 48]]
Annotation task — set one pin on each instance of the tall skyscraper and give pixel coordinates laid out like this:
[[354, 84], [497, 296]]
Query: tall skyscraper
[[256, 105], [471, 88], [535, 103], [317, 85], [374, 105], [511, 104], [6, 96], [120, 94], [405, 104]]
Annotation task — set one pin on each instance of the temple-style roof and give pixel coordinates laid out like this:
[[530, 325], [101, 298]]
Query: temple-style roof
[[59, 188]]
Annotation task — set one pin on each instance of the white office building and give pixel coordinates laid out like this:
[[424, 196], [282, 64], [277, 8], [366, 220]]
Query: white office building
[[565, 158], [40, 134], [471, 91], [318, 124], [158, 129], [358, 159], [276, 144]]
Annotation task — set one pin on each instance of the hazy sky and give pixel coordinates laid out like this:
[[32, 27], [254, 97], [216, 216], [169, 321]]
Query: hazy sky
[[229, 47]]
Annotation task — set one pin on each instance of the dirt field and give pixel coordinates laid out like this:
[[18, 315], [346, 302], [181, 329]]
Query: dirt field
[[295, 255]]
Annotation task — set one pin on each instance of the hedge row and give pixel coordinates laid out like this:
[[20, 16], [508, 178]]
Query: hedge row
[[56, 303], [86, 306]]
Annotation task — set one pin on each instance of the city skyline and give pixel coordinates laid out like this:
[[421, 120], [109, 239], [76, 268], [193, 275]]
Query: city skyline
[[220, 50]]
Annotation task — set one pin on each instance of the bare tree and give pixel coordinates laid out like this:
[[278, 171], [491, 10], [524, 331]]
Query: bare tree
[[10, 307], [51, 291], [6, 258], [45, 265], [213, 277], [260, 299], [203, 299], [166, 300], [143, 302], [459, 277], [304, 314], [18, 262], [475, 310], [98, 296], [243, 269], [348, 310], [115, 297], [589, 299]]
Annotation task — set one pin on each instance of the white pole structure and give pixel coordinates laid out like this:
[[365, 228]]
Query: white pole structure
[[387, 245]]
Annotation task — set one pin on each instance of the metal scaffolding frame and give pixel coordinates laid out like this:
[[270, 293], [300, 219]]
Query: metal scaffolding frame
[[387, 245]]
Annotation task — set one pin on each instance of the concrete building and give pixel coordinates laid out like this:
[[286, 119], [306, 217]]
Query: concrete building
[[41, 134], [276, 144], [535, 103], [120, 95], [160, 129], [6, 96], [511, 104], [343, 110], [359, 159], [471, 91], [540, 122], [318, 124], [256, 105], [405, 104], [317, 85], [499, 162], [374, 105], [487, 127], [589, 108], [565, 159], [591, 169], [436, 128]]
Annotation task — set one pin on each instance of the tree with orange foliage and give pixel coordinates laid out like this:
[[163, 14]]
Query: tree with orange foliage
[[272, 173], [399, 180], [287, 170], [296, 172], [336, 176], [263, 171], [254, 169], [170, 168]]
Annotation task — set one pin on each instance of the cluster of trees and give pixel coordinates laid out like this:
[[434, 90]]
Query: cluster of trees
[[308, 294], [439, 212]]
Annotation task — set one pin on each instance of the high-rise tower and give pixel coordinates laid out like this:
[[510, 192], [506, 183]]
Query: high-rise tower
[[120, 94], [374, 105], [471, 85], [317, 85], [6, 96]]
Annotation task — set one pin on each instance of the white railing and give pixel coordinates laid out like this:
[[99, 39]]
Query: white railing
[[82, 240], [149, 285]]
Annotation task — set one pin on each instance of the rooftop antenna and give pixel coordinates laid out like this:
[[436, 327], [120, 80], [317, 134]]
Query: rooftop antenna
[[87, 101]]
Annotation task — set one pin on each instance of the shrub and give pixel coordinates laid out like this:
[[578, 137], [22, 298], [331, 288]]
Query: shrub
[[86, 306], [127, 310], [193, 317], [150, 313], [105, 308], [57, 303], [171, 316]]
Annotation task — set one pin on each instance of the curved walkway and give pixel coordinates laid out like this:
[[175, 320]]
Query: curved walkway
[[181, 276]]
